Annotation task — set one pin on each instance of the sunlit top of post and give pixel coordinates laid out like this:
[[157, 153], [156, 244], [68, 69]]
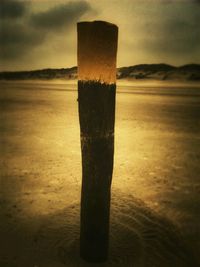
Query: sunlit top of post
[[97, 49]]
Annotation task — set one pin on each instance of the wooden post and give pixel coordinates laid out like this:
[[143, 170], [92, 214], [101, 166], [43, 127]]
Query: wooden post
[[97, 49]]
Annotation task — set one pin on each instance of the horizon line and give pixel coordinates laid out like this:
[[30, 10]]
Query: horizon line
[[40, 69]]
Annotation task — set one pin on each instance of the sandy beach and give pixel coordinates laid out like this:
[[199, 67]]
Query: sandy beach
[[155, 211]]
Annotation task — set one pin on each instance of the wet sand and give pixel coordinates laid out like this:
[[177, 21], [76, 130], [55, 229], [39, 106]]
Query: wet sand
[[155, 210]]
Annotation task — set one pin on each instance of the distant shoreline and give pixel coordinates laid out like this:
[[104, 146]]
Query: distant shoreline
[[142, 72]]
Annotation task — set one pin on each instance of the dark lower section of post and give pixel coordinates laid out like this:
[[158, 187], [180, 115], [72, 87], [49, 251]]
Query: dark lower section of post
[[95, 199], [96, 114]]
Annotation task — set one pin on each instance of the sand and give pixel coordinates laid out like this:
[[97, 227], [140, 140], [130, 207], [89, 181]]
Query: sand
[[155, 209]]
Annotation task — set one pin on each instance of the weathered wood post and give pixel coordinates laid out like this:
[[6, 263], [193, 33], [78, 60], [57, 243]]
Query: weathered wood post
[[97, 49]]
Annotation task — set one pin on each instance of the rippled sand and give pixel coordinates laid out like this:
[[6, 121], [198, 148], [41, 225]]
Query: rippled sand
[[155, 209]]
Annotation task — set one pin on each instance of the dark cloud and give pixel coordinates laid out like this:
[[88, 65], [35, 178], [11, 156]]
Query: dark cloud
[[60, 16], [156, 30], [18, 34], [176, 33], [18, 38], [12, 9]]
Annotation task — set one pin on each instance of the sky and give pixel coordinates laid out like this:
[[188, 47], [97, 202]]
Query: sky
[[38, 34]]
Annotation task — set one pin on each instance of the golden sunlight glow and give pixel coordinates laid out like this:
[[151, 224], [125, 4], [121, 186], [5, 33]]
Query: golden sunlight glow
[[97, 48]]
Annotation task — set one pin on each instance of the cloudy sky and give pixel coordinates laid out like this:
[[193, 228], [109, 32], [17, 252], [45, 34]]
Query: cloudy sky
[[36, 34]]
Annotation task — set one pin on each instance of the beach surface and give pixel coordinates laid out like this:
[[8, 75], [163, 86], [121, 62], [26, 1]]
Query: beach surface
[[155, 209]]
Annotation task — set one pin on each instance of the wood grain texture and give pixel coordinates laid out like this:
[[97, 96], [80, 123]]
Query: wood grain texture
[[97, 49], [97, 118]]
